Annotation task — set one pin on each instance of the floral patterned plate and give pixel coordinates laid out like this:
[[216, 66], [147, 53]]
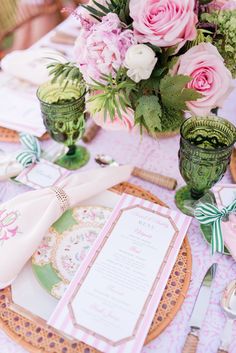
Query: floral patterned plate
[[65, 246]]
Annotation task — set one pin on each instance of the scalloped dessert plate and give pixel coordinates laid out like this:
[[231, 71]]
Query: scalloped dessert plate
[[65, 246]]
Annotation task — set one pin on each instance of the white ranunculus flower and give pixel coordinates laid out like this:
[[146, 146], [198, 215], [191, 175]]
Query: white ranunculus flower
[[140, 61]]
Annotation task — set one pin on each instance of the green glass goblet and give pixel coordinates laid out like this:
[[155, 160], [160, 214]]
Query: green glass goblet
[[62, 109], [205, 149]]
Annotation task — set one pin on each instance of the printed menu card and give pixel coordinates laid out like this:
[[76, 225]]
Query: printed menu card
[[111, 302]]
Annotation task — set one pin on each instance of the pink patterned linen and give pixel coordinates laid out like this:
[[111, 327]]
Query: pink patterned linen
[[160, 156]]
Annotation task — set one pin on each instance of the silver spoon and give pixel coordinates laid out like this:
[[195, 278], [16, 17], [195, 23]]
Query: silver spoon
[[228, 303], [161, 180]]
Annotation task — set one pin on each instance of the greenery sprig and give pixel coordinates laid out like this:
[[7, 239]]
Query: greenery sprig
[[64, 73], [112, 96], [120, 7], [224, 37]]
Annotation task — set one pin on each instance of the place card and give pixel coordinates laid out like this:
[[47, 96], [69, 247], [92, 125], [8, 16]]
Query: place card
[[42, 175], [111, 302], [225, 194]]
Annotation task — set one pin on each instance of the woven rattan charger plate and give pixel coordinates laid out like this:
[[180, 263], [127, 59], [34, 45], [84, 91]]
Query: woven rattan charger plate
[[37, 337], [233, 165], [7, 135]]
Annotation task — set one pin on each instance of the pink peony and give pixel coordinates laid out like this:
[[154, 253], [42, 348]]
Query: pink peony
[[210, 77], [101, 47], [163, 23]]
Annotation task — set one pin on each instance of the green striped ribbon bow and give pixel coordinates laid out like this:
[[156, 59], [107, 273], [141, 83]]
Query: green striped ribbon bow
[[32, 151], [210, 214]]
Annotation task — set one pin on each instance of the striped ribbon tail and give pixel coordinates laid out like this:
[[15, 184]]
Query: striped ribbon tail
[[217, 243], [32, 151], [210, 214], [232, 207]]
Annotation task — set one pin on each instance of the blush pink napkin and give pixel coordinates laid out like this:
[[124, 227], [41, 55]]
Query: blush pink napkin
[[25, 219], [229, 234]]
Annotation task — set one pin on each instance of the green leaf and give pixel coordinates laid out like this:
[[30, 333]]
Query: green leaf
[[148, 113], [114, 94], [154, 48], [159, 71], [94, 11], [101, 7], [171, 119], [64, 72], [170, 51], [174, 94], [172, 62], [151, 85], [120, 7]]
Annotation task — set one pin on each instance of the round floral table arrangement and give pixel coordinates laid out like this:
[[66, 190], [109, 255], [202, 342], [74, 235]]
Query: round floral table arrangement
[[149, 62]]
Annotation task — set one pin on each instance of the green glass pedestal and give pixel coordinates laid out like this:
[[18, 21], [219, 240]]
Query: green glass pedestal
[[184, 201], [75, 160], [187, 204]]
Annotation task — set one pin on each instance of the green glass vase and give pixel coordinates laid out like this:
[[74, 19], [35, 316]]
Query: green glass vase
[[62, 109], [205, 149]]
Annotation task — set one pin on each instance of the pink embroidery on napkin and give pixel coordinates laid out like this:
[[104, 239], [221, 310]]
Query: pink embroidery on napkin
[[8, 228]]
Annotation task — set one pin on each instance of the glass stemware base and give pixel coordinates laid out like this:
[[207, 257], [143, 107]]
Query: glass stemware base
[[75, 158], [186, 203]]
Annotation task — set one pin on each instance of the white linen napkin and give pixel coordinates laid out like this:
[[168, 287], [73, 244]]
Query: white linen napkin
[[25, 219], [20, 109], [31, 64], [9, 167]]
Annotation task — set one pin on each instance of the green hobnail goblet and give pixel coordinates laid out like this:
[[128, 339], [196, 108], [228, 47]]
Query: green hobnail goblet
[[205, 149], [62, 109]]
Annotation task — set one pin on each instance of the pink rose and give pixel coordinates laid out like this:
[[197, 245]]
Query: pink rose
[[163, 23], [126, 123], [101, 47], [210, 77]]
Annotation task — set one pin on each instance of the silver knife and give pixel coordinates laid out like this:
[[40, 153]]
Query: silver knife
[[199, 311]]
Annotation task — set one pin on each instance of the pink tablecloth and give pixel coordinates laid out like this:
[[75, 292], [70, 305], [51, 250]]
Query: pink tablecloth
[[161, 156]]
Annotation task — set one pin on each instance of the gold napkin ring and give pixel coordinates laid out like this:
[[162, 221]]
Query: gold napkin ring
[[62, 197]]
